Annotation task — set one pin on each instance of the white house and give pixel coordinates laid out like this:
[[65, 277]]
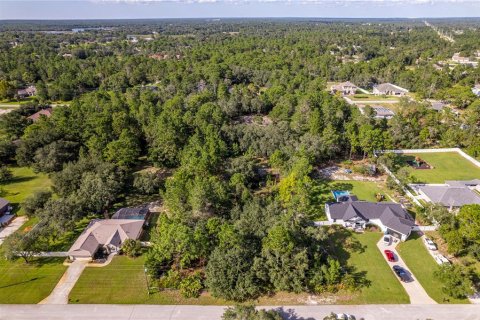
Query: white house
[[389, 90]]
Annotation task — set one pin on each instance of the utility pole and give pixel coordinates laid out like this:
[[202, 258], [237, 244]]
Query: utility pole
[[146, 279]]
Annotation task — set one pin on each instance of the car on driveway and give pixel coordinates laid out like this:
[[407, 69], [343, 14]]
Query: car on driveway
[[387, 239], [401, 273], [390, 255], [440, 259], [429, 244]]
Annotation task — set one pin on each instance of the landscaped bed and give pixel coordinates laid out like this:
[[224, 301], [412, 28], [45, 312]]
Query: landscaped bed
[[423, 266], [445, 166], [29, 283]]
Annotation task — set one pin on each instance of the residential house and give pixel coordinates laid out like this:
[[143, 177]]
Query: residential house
[[44, 112], [380, 112], [5, 216], [451, 194], [463, 60], [345, 88], [27, 92], [391, 218], [437, 105], [4, 206], [107, 235], [389, 90]]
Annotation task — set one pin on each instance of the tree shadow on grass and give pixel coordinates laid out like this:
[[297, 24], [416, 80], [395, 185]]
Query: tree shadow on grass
[[17, 180], [21, 282], [341, 244], [342, 186]]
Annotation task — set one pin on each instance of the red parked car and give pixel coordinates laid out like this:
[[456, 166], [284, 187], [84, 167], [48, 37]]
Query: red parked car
[[390, 255]]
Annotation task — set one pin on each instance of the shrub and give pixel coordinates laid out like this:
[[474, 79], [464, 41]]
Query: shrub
[[171, 280], [191, 286], [5, 174], [132, 248]]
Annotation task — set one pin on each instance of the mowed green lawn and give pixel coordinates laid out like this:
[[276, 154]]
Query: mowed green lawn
[[383, 287], [364, 190], [446, 166], [422, 265], [123, 282], [29, 283], [25, 182]]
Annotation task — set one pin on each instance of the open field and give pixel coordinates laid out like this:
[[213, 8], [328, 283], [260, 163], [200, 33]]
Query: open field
[[28, 283], [25, 182], [422, 265], [446, 166], [382, 285], [371, 97]]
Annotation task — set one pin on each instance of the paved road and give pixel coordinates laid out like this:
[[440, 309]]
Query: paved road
[[61, 291], [414, 289], [12, 227], [145, 312]]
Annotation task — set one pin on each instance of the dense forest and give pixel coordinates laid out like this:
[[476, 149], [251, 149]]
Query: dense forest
[[231, 120]]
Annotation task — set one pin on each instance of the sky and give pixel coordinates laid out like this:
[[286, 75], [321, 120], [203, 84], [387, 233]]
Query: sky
[[137, 9]]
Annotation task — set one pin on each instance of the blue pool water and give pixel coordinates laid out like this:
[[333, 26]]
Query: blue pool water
[[340, 193]]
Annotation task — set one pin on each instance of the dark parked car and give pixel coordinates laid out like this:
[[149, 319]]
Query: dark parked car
[[401, 273], [390, 255]]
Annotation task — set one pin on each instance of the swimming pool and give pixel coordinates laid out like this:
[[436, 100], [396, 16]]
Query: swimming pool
[[340, 193]]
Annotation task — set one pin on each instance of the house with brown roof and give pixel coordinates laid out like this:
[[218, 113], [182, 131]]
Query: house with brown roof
[[107, 235], [345, 88], [44, 112]]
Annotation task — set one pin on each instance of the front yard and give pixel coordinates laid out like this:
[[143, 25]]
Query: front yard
[[445, 166], [422, 265], [28, 283], [123, 281], [383, 286]]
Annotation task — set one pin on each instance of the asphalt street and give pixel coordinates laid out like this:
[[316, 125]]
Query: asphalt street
[[149, 312]]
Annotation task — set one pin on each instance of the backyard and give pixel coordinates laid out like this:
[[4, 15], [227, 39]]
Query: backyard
[[25, 182], [29, 283], [445, 166], [422, 265]]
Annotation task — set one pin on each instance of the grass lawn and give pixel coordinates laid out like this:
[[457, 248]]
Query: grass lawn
[[371, 97], [123, 282], [29, 283], [422, 265], [446, 166], [25, 182], [383, 287]]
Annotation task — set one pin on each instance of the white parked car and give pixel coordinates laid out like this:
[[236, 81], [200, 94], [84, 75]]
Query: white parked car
[[387, 239], [430, 244], [440, 259], [344, 316]]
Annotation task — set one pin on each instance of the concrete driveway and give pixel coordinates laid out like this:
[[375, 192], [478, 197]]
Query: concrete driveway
[[414, 289], [61, 291], [12, 227]]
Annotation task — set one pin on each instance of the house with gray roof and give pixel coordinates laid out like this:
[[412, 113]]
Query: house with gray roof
[[107, 235], [453, 194], [391, 218], [389, 90]]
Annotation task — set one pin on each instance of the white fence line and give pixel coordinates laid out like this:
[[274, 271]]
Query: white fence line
[[407, 192], [441, 150]]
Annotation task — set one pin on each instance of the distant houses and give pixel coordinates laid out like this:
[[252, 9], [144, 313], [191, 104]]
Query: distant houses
[[379, 112], [389, 89], [27, 92], [391, 218], [463, 60], [44, 112], [476, 90], [344, 88]]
